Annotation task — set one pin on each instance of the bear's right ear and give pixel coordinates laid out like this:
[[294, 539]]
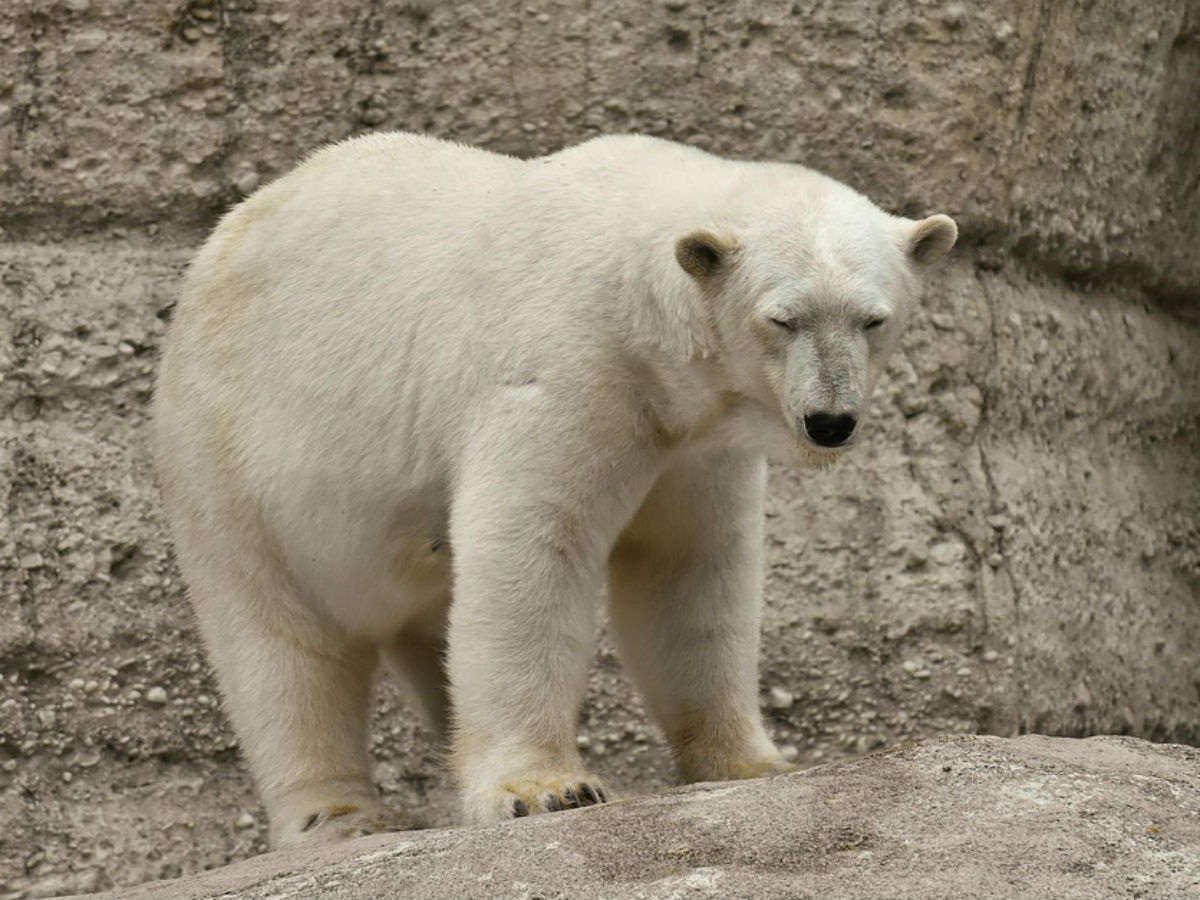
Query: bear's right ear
[[931, 239], [703, 254]]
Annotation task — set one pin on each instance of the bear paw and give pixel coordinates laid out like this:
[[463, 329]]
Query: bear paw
[[340, 822], [693, 770], [532, 794], [762, 768]]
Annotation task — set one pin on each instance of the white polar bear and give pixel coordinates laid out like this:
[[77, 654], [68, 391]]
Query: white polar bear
[[422, 401]]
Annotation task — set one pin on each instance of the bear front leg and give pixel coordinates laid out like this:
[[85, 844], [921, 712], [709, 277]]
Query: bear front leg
[[685, 600], [532, 526]]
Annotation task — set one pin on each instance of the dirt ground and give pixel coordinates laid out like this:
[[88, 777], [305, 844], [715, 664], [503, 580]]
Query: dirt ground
[[1016, 547]]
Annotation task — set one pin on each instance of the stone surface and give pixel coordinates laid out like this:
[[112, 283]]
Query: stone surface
[[1064, 131], [970, 817], [1015, 548]]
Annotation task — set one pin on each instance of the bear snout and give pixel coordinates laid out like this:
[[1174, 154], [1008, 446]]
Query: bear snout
[[828, 429]]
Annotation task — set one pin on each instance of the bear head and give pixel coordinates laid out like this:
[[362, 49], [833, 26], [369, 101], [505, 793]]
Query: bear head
[[808, 298]]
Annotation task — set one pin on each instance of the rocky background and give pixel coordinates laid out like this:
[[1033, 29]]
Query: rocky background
[[1016, 548]]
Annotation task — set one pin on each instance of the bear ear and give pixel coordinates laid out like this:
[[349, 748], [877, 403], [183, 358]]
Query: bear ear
[[931, 239], [703, 254]]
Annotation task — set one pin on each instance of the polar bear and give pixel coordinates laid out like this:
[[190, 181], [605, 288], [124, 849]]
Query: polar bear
[[421, 403]]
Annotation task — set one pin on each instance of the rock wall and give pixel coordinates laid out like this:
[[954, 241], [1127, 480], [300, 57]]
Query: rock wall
[[1016, 548]]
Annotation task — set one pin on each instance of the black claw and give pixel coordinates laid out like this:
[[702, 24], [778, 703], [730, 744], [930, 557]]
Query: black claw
[[589, 794], [603, 796], [520, 809], [571, 798], [553, 804], [311, 822]]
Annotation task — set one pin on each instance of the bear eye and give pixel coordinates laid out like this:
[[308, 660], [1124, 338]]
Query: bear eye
[[784, 324], [874, 324]]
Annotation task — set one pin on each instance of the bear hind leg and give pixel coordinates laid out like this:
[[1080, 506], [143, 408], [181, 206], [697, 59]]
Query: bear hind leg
[[418, 655], [297, 693]]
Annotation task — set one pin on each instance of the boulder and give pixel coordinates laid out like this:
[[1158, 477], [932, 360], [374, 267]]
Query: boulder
[[968, 817]]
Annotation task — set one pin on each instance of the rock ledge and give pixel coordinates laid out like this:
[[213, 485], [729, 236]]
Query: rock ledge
[[959, 816]]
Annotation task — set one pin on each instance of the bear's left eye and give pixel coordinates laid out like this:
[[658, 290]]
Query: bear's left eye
[[784, 324], [874, 324]]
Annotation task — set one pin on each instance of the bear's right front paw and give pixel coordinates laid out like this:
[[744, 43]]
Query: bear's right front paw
[[533, 794]]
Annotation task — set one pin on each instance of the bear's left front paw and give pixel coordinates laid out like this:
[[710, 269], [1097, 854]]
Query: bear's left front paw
[[762, 768], [693, 770]]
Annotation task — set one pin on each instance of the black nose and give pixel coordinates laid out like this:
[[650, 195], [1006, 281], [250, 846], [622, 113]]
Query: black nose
[[829, 430]]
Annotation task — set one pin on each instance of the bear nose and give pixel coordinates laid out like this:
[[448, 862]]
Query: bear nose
[[829, 430]]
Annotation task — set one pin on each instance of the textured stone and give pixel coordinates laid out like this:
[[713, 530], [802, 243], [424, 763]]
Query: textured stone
[[1066, 132], [971, 817]]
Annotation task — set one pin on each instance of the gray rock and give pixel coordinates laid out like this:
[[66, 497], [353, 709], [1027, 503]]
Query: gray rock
[[780, 699], [972, 817]]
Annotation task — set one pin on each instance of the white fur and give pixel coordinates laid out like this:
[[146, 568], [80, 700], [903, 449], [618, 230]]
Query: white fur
[[411, 364]]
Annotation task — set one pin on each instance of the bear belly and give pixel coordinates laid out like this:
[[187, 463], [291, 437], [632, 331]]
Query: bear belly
[[375, 570]]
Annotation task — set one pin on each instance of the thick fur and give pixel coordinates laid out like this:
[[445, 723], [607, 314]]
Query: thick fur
[[420, 402]]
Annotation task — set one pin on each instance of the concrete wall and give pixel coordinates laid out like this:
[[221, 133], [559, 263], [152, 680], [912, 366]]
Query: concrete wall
[[1017, 546]]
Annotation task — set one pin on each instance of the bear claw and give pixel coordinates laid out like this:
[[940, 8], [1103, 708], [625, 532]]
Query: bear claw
[[530, 797]]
